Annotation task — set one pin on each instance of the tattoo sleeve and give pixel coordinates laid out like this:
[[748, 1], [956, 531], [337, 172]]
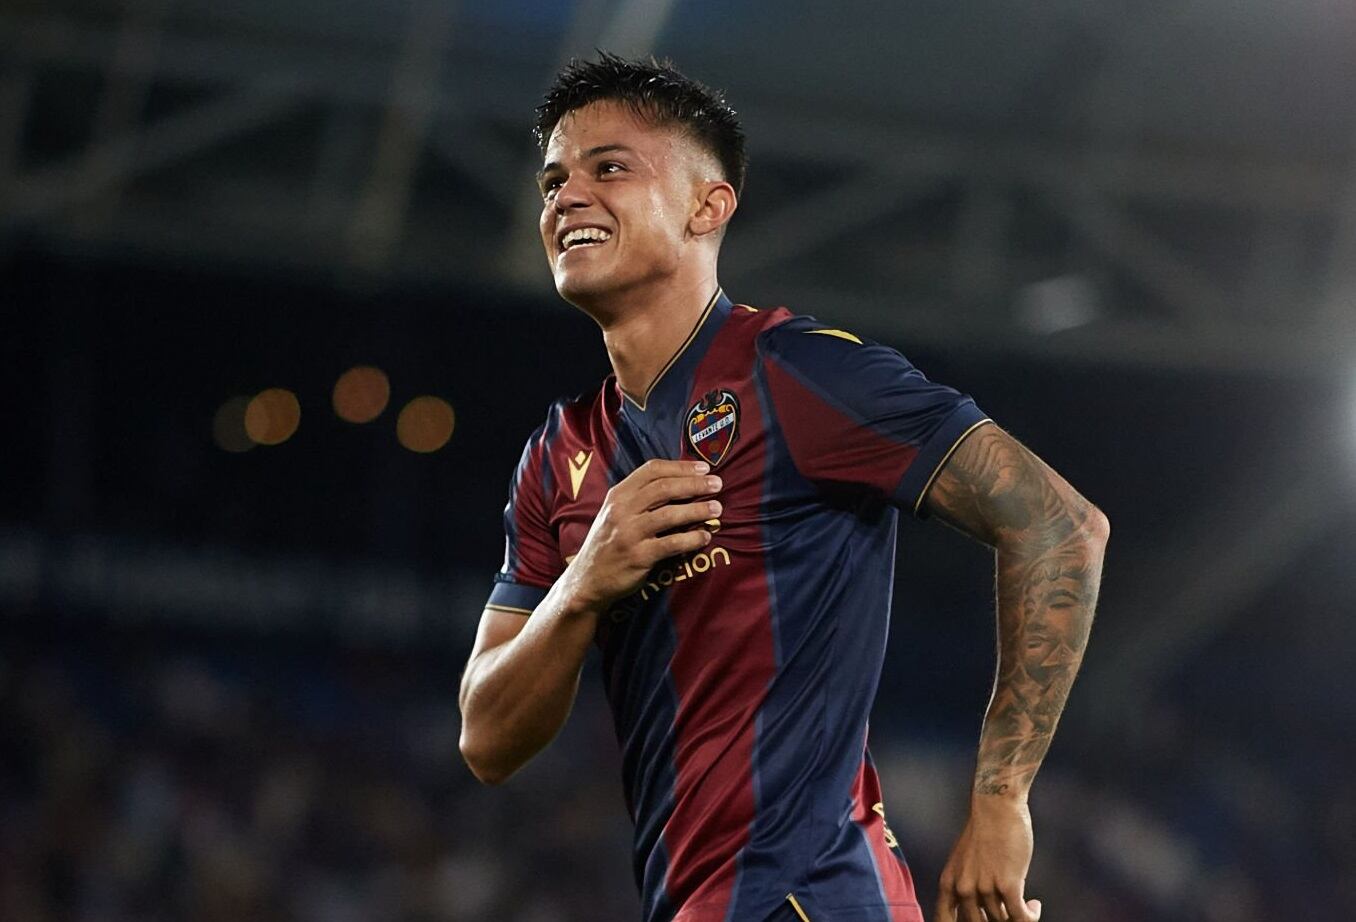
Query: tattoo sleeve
[[1049, 545]]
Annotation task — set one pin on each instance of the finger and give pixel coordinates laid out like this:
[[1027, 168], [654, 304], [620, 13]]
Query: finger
[[663, 467], [993, 906], [667, 518], [969, 909], [946, 905], [1034, 907], [684, 542], [1016, 905], [664, 490]]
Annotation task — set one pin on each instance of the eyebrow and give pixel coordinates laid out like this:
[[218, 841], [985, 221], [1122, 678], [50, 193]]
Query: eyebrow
[[588, 154]]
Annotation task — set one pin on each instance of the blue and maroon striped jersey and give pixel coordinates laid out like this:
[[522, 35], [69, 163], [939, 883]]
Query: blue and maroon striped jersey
[[740, 677]]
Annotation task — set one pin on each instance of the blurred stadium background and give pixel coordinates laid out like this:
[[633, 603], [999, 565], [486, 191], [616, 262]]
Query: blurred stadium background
[[233, 620]]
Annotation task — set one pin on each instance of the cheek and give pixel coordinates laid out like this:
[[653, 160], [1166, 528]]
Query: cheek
[[668, 216]]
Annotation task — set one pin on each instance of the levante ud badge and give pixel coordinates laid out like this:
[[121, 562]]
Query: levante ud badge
[[712, 425]]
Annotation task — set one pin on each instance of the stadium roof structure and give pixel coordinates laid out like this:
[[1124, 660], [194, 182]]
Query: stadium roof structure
[[1154, 184]]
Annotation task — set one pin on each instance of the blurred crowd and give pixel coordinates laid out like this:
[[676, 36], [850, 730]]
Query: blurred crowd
[[162, 784], [156, 779]]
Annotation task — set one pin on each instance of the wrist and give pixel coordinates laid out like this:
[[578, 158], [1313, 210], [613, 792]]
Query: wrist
[[575, 598], [998, 796]]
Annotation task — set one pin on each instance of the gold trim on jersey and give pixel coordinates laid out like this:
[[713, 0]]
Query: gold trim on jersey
[[840, 334], [510, 609], [579, 467], [890, 840], [644, 398], [791, 898], [942, 463]]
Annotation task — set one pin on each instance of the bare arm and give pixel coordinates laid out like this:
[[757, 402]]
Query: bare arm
[[520, 683], [1049, 543], [523, 672]]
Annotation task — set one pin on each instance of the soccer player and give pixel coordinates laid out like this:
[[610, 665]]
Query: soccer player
[[719, 518]]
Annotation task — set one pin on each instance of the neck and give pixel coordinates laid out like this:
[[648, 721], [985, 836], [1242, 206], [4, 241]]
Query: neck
[[643, 337]]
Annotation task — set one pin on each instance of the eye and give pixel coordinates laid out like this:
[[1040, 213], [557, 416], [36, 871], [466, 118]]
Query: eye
[[550, 185], [609, 167]]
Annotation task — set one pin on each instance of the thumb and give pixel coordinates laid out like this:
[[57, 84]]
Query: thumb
[[1035, 907]]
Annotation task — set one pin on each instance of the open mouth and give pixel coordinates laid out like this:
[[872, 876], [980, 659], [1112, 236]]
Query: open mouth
[[583, 238]]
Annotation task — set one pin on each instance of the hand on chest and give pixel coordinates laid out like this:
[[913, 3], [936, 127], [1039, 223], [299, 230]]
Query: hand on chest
[[715, 428]]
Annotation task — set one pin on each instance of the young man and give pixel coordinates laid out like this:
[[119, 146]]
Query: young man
[[719, 518]]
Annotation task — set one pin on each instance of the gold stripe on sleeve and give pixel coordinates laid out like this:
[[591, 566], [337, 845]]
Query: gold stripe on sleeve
[[840, 334], [942, 463], [791, 898], [510, 609]]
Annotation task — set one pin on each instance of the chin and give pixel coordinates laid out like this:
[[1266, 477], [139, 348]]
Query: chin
[[580, 288]]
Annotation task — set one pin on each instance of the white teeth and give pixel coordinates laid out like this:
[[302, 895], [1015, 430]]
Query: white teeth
[[584, 235]]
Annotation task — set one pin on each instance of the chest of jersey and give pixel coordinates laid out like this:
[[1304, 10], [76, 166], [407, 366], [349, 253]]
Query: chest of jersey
[[717, 428], [723, 424]]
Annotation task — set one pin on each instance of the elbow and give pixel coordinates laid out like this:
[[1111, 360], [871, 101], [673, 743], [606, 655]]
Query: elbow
[[488, 769], [1097, 527]]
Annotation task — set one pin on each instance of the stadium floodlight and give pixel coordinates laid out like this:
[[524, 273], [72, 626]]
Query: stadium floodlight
[[1057, 304], [272, 416], [361, 394], [425, 424]]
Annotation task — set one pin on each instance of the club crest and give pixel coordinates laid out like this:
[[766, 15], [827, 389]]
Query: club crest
[[713, 424]]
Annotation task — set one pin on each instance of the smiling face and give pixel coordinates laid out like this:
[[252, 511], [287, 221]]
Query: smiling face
[[619, 199]]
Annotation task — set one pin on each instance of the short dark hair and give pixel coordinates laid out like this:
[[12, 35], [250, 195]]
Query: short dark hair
[[654, 90]]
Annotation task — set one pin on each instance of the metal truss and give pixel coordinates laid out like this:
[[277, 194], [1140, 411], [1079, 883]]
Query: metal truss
[[377, 161]]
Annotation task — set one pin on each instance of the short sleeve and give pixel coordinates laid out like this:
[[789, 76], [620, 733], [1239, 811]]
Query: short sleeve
[[855, 412], [531, 554]]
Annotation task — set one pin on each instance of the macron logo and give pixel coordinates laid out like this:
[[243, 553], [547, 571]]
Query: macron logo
[[579, 466]]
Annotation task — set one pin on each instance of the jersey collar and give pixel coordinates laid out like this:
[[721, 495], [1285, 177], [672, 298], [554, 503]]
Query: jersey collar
[[670, 384]]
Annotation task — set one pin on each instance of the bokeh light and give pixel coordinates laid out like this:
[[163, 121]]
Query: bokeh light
[[361, 394], [228, 426], [272, 416], [425, 424]]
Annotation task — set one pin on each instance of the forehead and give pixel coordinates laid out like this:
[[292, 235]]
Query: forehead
[[608, 122]]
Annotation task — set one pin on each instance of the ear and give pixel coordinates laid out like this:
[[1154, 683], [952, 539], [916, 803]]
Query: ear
[[715, 205]]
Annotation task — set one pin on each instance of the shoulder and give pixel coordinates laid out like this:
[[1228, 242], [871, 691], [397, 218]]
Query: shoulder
[[811, 348], [567, 420], [574, 428], [782, 331], [576, 415], [803, 356]]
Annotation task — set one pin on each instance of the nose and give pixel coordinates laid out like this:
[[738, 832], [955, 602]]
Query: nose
[[572, 193]]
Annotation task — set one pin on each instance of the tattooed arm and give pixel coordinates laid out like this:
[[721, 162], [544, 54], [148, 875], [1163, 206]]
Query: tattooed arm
[[1049, 544]]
